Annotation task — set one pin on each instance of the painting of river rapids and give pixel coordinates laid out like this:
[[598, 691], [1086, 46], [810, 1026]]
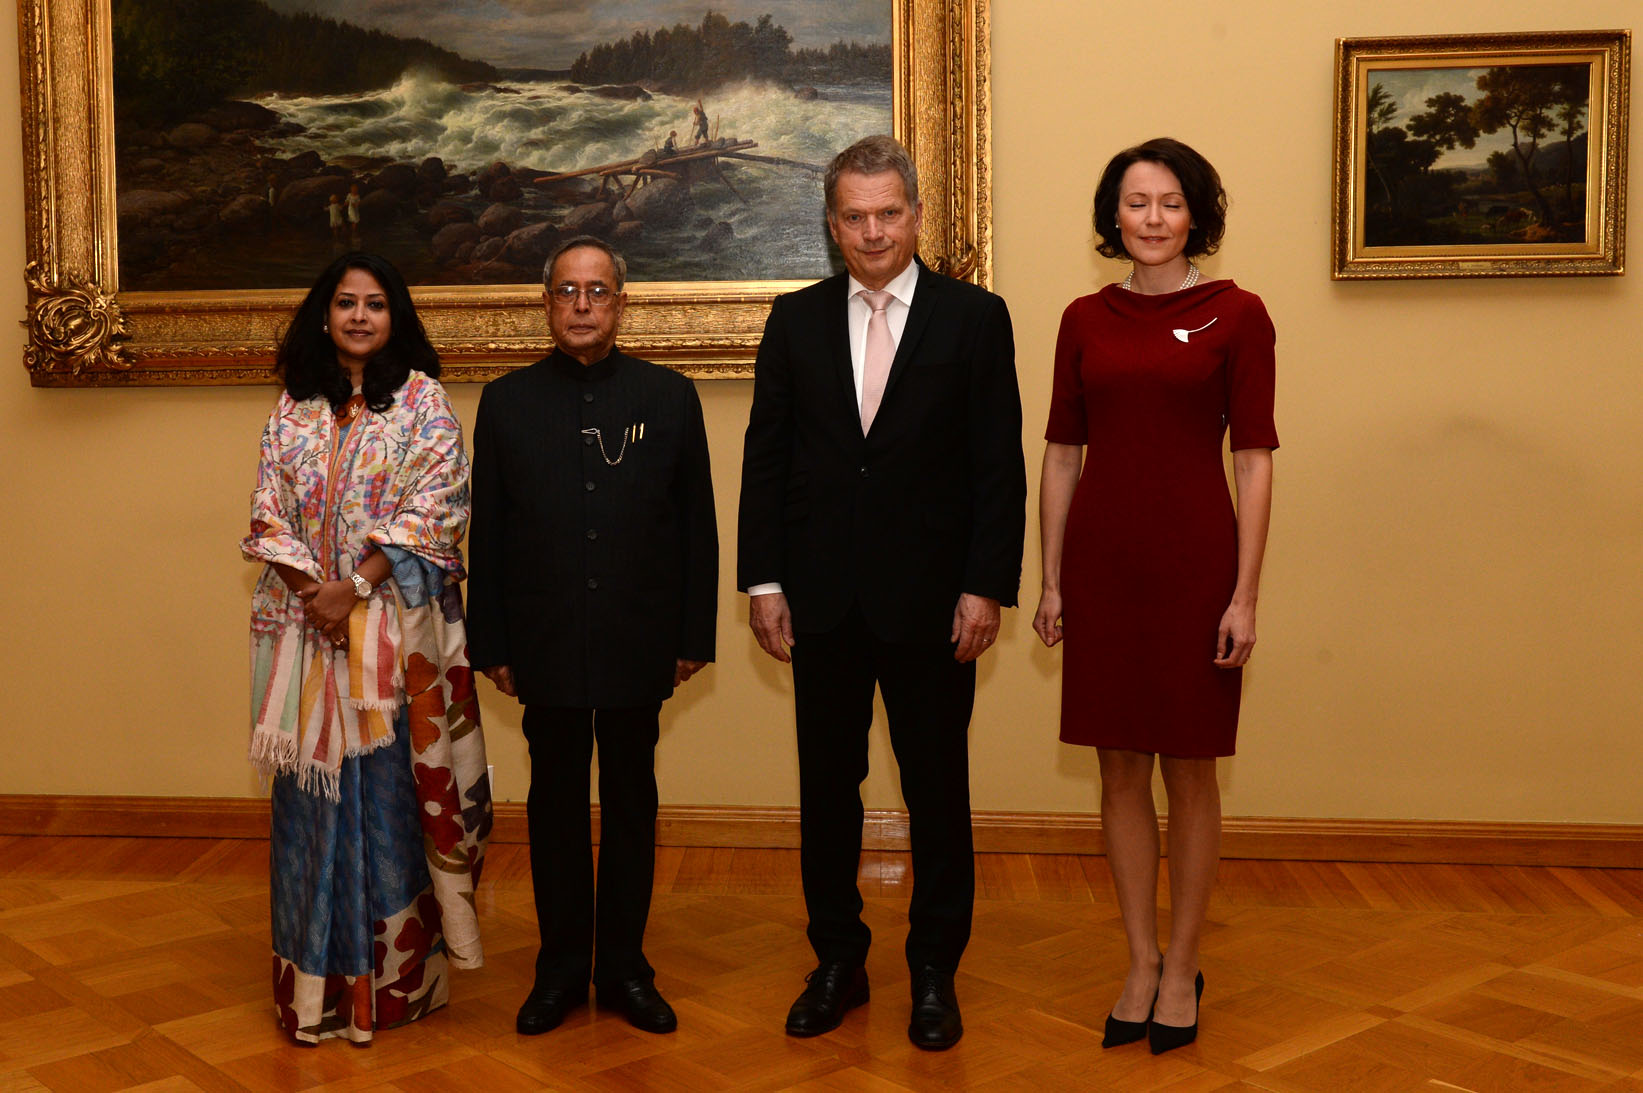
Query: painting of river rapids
[[257, 139]]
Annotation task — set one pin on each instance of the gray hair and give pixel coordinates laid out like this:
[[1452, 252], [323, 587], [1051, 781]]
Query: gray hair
[[577, 241], [871, 156]]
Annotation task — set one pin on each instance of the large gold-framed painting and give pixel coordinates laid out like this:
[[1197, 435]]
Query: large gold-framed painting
[[190, 165]]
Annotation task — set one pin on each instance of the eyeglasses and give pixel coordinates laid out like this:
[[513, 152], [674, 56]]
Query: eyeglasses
[[598, 295]]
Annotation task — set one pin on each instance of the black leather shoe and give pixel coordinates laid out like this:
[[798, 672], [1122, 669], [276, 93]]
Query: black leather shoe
[[641, 1003], [831, 991], [546, 1008], [1164, 1038], [935, 1025]]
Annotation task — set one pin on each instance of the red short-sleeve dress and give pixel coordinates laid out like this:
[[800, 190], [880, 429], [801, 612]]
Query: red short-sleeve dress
[[1149, 385]]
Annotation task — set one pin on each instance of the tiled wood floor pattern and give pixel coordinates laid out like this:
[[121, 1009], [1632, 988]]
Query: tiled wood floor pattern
[[143, 964]]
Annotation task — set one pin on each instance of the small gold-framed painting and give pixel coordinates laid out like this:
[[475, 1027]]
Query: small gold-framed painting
[[1481, 155]]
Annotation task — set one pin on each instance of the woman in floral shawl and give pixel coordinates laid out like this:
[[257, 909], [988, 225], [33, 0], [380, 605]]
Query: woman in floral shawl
[[362, 701]]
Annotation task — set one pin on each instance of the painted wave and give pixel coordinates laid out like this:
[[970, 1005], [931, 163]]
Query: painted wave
[[774, 212], [558, 126]]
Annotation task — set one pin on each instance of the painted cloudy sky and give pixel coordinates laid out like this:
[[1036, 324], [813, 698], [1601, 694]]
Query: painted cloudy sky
[[1411, 87], [551, 33]]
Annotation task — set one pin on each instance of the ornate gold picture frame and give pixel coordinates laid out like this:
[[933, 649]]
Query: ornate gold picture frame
[[1481, 155], [85, 332]]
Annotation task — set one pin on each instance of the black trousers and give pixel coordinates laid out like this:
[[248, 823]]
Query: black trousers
[[568, 914], [928, 697]]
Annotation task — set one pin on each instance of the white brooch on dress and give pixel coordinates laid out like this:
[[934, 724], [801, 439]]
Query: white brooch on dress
[[1182, 335]]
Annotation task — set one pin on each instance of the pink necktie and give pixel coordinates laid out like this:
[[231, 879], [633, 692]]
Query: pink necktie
[[881, 350]]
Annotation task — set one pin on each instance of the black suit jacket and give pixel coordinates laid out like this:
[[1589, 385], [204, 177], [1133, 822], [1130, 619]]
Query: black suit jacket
[[588, 579], [930, 504]]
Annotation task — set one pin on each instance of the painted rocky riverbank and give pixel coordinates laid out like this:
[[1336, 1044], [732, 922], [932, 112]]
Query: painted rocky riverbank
[[196, 198]]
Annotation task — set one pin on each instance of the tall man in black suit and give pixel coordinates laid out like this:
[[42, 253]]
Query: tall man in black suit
[[882, 513], [594, 566]]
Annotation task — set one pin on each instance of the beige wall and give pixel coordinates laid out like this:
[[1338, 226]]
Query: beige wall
[[1449, 625]]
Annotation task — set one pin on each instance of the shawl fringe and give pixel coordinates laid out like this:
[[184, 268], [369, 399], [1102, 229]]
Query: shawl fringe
[[273, 754], [386, 705]]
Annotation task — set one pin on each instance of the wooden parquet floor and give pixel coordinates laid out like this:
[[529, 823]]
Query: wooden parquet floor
[[143, 964]]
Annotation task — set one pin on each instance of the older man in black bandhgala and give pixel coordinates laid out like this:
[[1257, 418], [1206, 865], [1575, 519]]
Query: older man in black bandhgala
[[594, 563]]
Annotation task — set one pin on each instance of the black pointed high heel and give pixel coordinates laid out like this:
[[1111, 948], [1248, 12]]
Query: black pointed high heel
[[1162, 1038], [1118, 1033]]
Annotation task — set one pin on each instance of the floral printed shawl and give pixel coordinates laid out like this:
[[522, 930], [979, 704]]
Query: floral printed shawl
[[395, 481]]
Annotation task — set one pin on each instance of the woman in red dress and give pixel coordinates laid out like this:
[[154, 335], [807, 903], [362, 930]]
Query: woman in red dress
[[1150, 572]]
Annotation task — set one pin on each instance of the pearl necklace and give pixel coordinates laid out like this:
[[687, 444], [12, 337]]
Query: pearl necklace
[[1191, 279]]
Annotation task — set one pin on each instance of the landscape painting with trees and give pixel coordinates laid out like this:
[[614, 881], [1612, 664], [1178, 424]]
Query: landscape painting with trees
[[255, 139], [1457, 156]]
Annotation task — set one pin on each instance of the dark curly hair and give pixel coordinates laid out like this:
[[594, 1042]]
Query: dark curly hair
[[1200, 185], [307, 358]]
